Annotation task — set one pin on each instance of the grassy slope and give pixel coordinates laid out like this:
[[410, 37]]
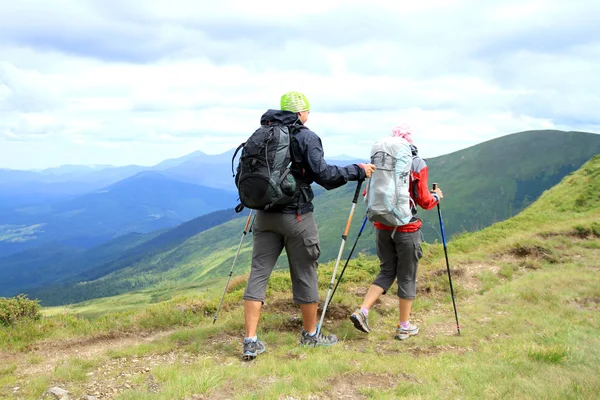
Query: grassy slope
[[528, 291], [492, 194]]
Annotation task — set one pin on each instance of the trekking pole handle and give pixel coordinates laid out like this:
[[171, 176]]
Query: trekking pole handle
[[357, 192]]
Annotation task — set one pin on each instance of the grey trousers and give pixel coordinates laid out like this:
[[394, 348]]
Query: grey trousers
[[399, 258], [272, 233]]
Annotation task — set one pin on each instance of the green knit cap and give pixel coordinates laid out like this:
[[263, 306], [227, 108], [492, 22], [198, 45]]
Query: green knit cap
[[295, 102]]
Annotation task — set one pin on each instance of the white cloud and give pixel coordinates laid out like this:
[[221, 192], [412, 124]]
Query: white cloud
[[141, 81]]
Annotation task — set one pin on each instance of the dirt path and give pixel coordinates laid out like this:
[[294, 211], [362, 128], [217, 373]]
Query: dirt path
[[48, 354]]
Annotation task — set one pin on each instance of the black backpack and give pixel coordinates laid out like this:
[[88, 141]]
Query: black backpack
[[264, 179]]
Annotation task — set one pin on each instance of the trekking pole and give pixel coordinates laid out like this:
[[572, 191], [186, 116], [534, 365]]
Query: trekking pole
[[248, 225], [447, 263], [337, 262], [349, 256]]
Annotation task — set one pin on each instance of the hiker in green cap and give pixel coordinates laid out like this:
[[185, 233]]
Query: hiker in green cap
[[292, 226]]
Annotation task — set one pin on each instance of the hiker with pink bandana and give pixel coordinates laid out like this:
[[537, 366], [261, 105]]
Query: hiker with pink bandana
[[399, 247]]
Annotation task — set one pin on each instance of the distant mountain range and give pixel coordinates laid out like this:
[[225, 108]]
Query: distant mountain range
[[84, 206], [69, 180], [482, 184]]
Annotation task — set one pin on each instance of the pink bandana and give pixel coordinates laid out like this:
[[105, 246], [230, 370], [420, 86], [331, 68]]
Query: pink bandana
[[404, 132]]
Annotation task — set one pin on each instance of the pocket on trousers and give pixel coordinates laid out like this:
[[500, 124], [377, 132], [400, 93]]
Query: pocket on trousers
[[418, 251], [313, 247]]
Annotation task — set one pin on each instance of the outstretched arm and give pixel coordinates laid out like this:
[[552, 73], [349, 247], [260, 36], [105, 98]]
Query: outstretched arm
[[328, 176]]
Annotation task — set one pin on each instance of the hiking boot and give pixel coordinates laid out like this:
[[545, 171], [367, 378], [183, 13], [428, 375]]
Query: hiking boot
[[360, 321], [252, 349], [317, 340], [405, 333]]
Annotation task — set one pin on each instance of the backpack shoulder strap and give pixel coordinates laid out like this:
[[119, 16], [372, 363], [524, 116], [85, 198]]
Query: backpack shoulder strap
[[294, 156], [233, 158]]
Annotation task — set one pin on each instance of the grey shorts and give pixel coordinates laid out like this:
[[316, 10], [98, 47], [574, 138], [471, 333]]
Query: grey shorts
[[399, 258], [272, 233]]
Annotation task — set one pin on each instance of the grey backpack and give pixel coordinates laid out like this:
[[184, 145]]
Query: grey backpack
[[388, 199]]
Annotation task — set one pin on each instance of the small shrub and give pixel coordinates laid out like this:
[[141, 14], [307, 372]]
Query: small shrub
[[74, 369], [506, 271], [280, 282], [13, 309], [582, 231], [586, 231], [530, 264], [596, 229], [552, 355], [489, 280], [237, 283], [591, 244], [7, 369]]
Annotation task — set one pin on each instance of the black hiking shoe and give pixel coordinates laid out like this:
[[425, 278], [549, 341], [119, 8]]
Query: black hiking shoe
[[317, 340], [252, 349], [360, 321]]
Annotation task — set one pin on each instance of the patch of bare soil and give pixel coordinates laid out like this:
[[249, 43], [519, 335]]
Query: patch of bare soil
[[279, 305], [387, 303], [349, 386], [360, 291], [465, 275], [577, 234], [445, 328], [219, 394], [586, 303], [538, 252], [294, 356], [335, 312], [224, 337], [293, 323], [433, 350], [394, 346]]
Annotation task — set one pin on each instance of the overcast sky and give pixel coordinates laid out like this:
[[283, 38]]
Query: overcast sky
[[139, 81]]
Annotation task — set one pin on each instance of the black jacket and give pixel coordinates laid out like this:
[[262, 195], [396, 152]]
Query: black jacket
[[309, 164]]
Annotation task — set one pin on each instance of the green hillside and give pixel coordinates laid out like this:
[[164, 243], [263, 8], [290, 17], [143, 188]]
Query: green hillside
[[29, 269], [45, 264], [493, 181], [482, 184], [527, 292]]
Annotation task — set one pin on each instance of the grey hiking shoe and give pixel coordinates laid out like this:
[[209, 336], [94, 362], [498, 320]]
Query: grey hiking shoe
[[252, 349], [403, 334], [360, 321], [317, 340]]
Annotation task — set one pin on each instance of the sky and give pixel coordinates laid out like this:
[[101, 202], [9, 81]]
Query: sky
[[137, 82]]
